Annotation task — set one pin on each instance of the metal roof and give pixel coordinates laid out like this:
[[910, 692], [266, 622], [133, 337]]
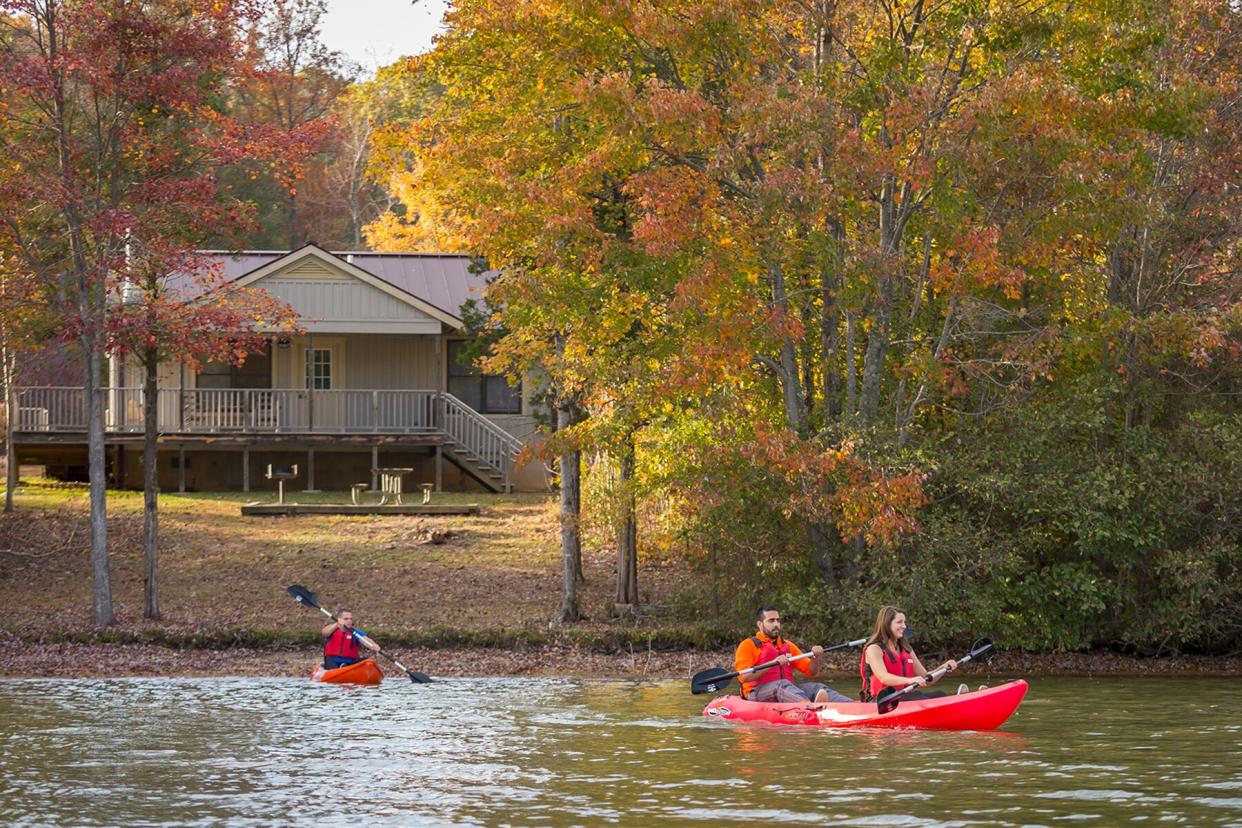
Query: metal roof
[[441, 279]]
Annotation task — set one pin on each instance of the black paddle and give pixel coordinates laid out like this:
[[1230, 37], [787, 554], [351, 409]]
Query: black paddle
[[890, 697], [717, 678], [307, 598]]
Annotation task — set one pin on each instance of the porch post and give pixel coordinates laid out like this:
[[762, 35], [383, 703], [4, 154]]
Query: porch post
[[310, 469], [374, 467], [439, 467], [310, 381], [441, 370], [181, 468], [120, 465], [181, 401], [115, 414], [245, 468]]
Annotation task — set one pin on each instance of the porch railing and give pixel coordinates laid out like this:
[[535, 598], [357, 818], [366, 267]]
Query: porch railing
[[277, 411], [473, 433]]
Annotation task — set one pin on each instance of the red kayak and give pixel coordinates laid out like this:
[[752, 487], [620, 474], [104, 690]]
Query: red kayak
[[981, 710], [364, 672]]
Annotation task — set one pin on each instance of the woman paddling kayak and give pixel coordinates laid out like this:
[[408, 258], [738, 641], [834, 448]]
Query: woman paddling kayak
[[889, 661]]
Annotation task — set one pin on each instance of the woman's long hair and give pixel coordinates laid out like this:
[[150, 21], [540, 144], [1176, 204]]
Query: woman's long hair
[[883, 633]]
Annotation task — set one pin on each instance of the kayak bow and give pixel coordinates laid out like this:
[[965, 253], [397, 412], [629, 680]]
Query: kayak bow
[[364, 672], [981, 710]]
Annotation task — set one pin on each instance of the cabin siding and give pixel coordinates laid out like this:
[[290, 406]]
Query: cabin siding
[[347, 306]]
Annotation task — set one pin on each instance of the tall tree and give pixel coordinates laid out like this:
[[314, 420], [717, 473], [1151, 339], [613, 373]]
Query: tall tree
[[181, 315], [704, 129], [109, 105], [293, 86], [1159, 100]]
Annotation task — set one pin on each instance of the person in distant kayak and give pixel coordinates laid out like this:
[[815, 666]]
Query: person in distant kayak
[[341, 640], [776, 684], [889, 661]]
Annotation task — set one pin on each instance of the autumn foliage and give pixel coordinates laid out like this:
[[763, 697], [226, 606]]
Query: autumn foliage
[[825, 258], [115, 134]]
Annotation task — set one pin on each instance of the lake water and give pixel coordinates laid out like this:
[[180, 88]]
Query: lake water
[[256, 752]]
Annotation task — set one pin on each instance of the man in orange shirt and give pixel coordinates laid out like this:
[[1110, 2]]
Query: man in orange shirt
[[775, 684]]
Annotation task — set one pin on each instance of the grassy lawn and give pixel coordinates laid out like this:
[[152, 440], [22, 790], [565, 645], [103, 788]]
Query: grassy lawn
[[495, 583], [497, 575]]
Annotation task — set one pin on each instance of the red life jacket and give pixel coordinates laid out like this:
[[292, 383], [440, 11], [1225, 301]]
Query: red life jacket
[[769, 650], [899, 664], [340, 644]]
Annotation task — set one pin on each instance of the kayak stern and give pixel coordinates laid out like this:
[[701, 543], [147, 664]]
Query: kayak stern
[[364, 672]]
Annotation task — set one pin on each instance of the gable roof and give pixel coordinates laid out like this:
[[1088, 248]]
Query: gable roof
[[436, 283]]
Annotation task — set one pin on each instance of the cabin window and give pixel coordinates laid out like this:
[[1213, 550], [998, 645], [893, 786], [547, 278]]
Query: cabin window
[[485, 393], [320, 369], [255, 372]]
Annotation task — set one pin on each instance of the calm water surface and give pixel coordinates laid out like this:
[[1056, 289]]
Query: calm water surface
[[242, 752]]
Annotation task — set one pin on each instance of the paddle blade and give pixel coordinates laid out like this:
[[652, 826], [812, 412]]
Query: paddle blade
[[415, 676], [302, 595], [888, 699], [711, 681], [981, 648]]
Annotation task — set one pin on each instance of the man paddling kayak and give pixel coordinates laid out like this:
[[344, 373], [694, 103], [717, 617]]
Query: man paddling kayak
[[776, 684], [340, 642]]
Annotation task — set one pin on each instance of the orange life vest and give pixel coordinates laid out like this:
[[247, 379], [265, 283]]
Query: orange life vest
[[768, 650]]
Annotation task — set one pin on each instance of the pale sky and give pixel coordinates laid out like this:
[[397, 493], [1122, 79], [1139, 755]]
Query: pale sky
[[374, 33]]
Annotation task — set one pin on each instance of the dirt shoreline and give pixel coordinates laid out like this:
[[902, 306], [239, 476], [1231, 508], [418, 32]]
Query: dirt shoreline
[[72, 660]]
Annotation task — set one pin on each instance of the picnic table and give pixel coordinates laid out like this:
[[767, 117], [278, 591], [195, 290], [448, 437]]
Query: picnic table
[[391, 483]]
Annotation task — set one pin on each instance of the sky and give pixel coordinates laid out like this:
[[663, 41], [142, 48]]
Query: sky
[[374, 33]]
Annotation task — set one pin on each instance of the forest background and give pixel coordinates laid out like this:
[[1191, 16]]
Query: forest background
[[840, 302]]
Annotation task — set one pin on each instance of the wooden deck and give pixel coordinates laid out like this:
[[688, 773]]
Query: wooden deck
[[257, 509], [239, 418]]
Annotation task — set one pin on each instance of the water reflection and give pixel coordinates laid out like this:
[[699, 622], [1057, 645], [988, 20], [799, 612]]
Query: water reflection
[[244, 752]]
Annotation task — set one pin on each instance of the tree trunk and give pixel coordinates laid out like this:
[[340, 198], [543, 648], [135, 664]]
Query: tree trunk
[[851, 369], [875, 355], [627, 532], [892, 222], [293, 222], [90, 295], [150, 487], [829, 343], [571, 541], [101, 579], [793, 394], [822, 546]]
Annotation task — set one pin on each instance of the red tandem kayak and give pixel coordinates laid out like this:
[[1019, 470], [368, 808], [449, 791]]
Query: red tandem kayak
[[981, 710], [364, 672]]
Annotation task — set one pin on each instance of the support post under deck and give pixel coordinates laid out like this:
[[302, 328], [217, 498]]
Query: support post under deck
[[310, 470]]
